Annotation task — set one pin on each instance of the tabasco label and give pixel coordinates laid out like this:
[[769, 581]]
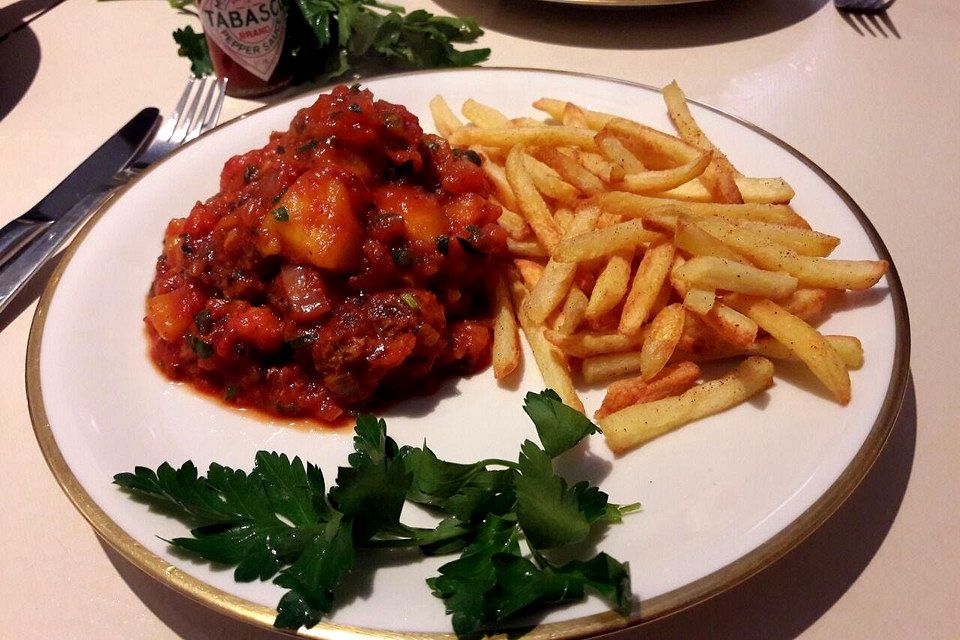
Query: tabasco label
[[251, 32]]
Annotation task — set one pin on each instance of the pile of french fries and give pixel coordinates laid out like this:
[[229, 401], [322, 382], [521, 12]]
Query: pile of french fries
[[639, 254]]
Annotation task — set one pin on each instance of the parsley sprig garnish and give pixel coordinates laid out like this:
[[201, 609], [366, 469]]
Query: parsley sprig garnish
[[503, 517]]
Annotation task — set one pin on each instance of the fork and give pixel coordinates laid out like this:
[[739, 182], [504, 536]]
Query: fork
[[184, 124], [862, 6], [868, 16], [183, 127]]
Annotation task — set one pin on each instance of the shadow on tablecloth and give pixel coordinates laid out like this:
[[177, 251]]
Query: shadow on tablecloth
[[19, 50], [635, 28], [777, 604]]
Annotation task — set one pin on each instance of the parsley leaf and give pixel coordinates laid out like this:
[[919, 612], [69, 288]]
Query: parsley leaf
[[560, 427], [193, 46], [548, 511], [373, 488], [314, 576], [463, 584], [524, 586], [280, 522], [435, 480]]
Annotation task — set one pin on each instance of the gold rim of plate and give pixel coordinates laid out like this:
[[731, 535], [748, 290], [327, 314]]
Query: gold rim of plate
[[654, 608]]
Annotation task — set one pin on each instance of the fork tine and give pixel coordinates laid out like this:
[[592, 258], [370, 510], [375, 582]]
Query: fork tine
[[213, 116], [196, 123], [188, 118], [181, 103], [208, 115]]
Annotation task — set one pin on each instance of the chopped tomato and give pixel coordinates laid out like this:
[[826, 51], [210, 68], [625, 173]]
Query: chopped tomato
[[171, 314]]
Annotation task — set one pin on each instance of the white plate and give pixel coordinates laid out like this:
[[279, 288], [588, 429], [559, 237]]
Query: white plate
[[722, 498]]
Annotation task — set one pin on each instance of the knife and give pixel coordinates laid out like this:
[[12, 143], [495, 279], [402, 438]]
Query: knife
[[27, 242]]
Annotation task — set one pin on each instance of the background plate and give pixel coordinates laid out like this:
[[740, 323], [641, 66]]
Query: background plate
[[624, 3], [722, 498]]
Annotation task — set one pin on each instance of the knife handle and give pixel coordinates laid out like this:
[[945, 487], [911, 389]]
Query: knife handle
[[16, 234], [17, 272]]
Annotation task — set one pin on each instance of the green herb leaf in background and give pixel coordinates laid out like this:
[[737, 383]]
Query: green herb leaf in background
[[193, 46], [330, 37]]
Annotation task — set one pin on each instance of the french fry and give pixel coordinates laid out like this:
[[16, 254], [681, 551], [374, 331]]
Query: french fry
[[722, 183], [805, 341], [553, 365], [731, 326], [634, 205], [529, 270], [573, 311], [609, 366], [683, 120], [848, 348], [611, 285], [717, 248], [498, 178], [551, 362], [700, 301], [639, 424], [444, 119], [590, 343], [692, 239], [806, 303], [608, 219], [617, 152], [506, 339], [554, 108], [526, 248], [598, 165], [557, 276], [806, 242], [663, 179], [711, 272], [570, 170], [625, 236], [564, 217], [531, 205], [720, 176], [573, 116], [680, 286], [514, 224], [509, 137], [757, 190], [672, 381], [549, 182], [809, 271], [654, 148], [661, 340], [483, 115], [527, 122], [651, 273], [664, 297]]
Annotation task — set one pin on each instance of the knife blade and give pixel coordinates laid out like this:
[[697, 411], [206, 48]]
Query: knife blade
[[112, 156], [27, 242]]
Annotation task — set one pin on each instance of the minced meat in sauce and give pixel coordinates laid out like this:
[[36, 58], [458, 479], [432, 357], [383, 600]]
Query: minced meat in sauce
[[347, 260]]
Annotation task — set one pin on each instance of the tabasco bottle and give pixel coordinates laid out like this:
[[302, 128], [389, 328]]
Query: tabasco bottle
[[247, 42]]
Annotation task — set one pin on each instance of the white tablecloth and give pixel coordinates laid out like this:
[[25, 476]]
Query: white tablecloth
[[875, 103]]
